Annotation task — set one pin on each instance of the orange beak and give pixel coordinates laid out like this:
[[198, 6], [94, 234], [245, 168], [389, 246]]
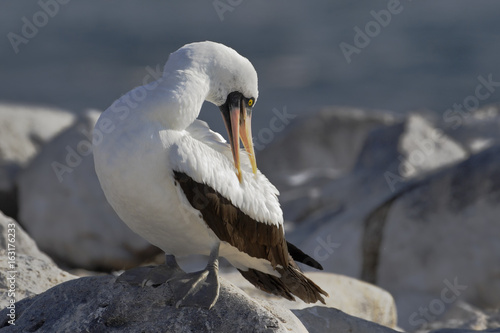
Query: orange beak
[[237, 117]]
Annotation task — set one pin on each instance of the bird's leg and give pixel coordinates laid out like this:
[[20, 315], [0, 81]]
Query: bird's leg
[[198, 289]]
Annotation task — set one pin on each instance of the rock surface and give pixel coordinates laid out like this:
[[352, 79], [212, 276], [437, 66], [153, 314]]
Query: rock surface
[[332, 213], [451, 221], [64, 209], [354, 297], [99, 304], [324, 145], [418, 207], [23, 130], [320, 319], [22, 242], [463, 317], [32, 272], [476, 130]]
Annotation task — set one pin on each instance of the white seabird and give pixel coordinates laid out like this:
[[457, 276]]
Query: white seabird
[[184, 189]]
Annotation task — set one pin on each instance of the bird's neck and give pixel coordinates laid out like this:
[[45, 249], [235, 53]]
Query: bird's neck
[[176, 98]]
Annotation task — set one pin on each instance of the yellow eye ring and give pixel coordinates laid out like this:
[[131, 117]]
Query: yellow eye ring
[[250, 102]]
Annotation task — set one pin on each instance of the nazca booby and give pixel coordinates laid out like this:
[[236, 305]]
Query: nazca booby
[[184, 189]]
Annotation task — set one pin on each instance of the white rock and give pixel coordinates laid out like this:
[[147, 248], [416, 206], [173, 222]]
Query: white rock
[[32, 276], [462, 317], [23, 130], [64, 209], [30, 272], [476, 130], [319, 319], [426, 148], [354, 297], [334, 218], [21, 241], [441, 239], [326, 143]]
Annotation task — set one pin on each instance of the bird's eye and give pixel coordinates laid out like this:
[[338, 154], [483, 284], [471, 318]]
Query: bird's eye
[[250, 102]]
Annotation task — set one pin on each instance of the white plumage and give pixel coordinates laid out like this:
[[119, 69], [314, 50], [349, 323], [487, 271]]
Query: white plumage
[[134, 162], [180, 186]]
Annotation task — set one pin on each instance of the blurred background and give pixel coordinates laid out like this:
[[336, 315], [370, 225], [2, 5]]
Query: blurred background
[[429, 55], [387, 155]]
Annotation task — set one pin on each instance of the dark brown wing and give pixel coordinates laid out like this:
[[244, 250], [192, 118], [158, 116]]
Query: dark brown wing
[[230, 224], [257, 239]]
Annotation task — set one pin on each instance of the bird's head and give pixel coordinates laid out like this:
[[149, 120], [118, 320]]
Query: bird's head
[[233, 88]]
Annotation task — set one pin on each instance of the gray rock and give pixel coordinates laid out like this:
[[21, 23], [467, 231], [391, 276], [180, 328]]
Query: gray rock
[[476, 130], [441, 240], [22, 242], [64, 209], [23, 130], [324, 145], [99, 304], [318, 319], [26, 271], [333, 217], [345, 217], [463, 317], [425, 147], [31, 276], [354, 297], [453, 330]]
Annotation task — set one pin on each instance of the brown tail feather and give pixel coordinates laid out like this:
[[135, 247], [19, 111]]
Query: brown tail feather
[[292, 282]]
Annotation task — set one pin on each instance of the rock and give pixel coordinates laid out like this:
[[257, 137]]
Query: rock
[[354, 297], [318, 319], [332, 214], [23, 130], [476, 130], [440, 239], [100, 304], [463, 317], [22, 242], [30, 277], [452, 330], [344, 218], [64, 209], [30, 272], [324, 145], [425, 147]]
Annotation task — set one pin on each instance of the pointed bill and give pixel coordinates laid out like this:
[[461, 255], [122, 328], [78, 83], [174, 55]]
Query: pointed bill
[[246, 135]]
